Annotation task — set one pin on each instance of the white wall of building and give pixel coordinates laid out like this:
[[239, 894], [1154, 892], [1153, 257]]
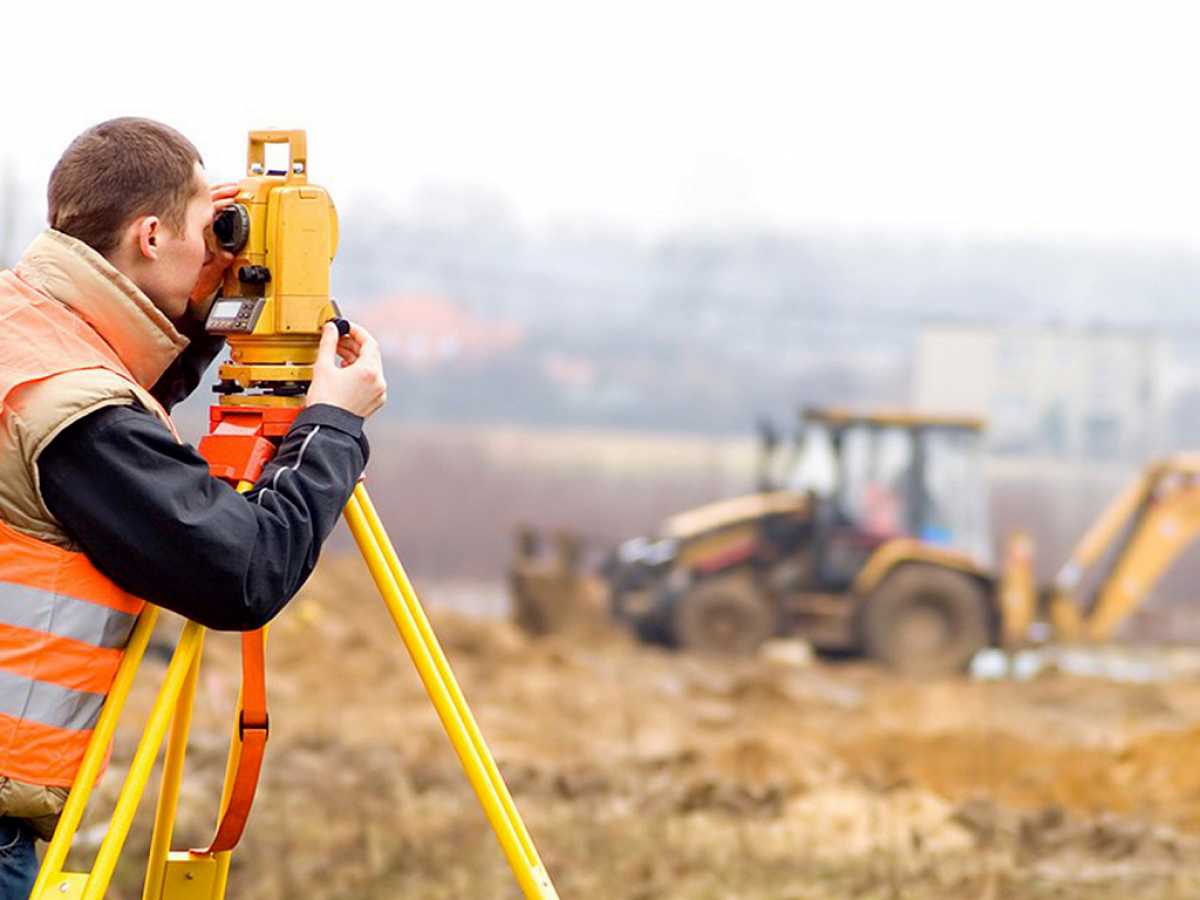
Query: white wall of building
[[1094, 394]]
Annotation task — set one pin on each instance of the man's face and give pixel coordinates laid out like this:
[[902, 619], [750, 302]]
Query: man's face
[[180, 255]]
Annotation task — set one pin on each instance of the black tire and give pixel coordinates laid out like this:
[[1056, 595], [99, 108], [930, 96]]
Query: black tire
[[924, 620], [725, 615], [650, 626], [654, 630]]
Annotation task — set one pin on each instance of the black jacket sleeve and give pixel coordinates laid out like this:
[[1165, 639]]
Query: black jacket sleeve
[[145, 510]]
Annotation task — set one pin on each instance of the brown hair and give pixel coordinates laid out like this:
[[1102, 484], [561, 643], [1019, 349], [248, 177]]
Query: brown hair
[[116, 171]]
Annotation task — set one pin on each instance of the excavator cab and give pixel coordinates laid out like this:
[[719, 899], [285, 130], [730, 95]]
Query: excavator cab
[[884, 476]]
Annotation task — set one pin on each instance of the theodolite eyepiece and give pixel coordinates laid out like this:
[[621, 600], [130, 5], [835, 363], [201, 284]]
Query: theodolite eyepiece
[[231, 227]]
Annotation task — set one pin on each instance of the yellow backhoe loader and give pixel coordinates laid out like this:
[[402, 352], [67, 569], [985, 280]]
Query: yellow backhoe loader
[[869, 534]]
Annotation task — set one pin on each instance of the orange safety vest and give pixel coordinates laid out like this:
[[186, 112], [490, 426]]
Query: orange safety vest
[[63, 624]]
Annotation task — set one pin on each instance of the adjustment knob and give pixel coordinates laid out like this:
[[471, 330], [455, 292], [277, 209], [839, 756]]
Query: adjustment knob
[[254, 274]]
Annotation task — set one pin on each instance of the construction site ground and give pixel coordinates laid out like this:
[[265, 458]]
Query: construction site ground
[[645, 774]]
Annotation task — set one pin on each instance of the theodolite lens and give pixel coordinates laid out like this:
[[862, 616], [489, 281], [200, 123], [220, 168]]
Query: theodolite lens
[[231, 227]]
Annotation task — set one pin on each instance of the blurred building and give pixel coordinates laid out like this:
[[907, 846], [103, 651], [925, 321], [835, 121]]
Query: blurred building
[[424, 332], [1080, 393]]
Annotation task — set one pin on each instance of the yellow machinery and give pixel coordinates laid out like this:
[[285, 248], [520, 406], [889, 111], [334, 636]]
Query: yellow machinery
[[275, 302], [868, 533], [871, 536], [276, 295], [1136, 539]]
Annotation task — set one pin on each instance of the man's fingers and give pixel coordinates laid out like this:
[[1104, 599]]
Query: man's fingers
[[365, 347], [366, 341]]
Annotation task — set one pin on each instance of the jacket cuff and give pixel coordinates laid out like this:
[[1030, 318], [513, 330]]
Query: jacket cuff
[[332, 416]]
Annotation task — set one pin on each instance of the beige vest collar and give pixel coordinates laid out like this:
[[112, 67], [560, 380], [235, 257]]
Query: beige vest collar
[[84, 281]]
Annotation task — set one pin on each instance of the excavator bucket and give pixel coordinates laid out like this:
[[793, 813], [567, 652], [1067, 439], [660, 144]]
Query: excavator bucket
[[550, 592]]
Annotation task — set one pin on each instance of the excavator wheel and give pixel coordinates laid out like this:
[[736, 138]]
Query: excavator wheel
[[925, 621], [725, 615]]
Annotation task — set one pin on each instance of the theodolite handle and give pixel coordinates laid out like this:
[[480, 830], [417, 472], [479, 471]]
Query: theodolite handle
[[297, 141]]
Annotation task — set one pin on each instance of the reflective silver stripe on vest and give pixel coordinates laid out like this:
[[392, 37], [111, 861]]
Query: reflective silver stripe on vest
[[49, 704], [28, 607]]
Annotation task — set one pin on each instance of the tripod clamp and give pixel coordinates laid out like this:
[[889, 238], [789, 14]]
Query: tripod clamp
[[263, 726]]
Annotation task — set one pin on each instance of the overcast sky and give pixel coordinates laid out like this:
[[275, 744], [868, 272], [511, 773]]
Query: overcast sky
[[1005, 118]]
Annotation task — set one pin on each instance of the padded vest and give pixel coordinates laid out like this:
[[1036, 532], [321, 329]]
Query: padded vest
[[63, 624]]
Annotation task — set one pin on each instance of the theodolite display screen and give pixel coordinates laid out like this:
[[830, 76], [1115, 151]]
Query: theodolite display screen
[[233, 316], [226, 309]]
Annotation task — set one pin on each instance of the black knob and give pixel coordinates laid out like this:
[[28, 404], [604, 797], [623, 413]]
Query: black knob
[[254, 274]]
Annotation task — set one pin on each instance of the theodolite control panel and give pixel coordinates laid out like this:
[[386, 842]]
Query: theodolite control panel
[[234, 316]]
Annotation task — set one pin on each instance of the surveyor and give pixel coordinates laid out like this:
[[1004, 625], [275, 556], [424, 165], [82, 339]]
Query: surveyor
[[102, 505]]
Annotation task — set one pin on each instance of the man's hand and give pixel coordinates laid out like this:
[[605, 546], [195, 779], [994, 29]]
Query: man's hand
[[216, 259], [357, 385]]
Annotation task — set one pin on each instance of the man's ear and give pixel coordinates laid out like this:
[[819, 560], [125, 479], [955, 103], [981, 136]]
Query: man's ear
[[148, 230]]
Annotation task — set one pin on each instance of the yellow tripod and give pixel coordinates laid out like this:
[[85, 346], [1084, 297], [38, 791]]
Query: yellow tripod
[[189, 875]]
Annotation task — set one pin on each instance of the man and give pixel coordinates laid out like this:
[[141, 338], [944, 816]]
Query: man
[[102, 507]]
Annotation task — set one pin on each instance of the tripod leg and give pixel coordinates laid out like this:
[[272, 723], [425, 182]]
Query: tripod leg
[[172, 777], [143, 762], [97, 751], [447, 698], [439, 657]]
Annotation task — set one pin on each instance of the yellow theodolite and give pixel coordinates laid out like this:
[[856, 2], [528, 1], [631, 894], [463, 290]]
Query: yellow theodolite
[[276, 297], [275, 301]]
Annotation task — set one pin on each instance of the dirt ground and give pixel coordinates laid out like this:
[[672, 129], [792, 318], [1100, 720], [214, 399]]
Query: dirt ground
[[642, 774]]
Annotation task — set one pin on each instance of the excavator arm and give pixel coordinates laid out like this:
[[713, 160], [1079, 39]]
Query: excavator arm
[[1143, 531]]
